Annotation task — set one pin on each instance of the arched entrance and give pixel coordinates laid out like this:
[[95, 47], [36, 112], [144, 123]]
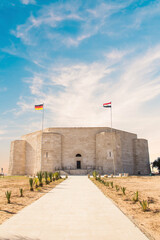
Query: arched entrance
[[78, 160]]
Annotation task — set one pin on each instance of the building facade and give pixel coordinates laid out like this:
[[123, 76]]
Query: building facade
[[79, 151]]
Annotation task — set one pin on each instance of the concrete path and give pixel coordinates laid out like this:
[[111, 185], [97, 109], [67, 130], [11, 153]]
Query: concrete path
[[75, 210]]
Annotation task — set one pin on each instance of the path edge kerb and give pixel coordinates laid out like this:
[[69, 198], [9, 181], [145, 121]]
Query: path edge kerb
[[32, 203], [129, 217]]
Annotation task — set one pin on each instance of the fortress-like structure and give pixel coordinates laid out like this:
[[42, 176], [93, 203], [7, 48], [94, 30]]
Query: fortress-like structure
[[79, 150]]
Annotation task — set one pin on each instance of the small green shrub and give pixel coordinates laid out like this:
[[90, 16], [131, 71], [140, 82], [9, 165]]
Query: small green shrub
[[31, 184], [50, 176], [57, 175], [144, 204], [46, 177], [117, 188], [21, 192], [36, 182], [98, 179], [95, 174], [8, 196], [102, 181], [40, 178], [66, 176], [136, 197], [107, 184], [123, 190], [111, 184], [38, 189]]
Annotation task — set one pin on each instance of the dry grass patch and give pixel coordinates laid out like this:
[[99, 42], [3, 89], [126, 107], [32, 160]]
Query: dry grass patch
[[148, 189]]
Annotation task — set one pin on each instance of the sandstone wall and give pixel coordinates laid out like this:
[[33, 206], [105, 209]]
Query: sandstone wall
[[17, 158], [127, 152], [33, 153], [97, 147], [115, 148], [141, 156], [51, 156], [105, 145], [78, 141]]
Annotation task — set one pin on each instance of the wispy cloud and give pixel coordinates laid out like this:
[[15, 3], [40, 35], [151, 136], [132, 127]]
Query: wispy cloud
[[144, 14], [89, 22], [116, 54], [84, 87], [26, 2], [130, 84]]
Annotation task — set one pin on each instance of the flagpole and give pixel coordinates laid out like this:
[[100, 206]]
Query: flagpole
[[42, 137], [112, 139]]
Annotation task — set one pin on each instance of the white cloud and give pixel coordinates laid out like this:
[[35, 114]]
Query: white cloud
[[50, 17], [36, 86], [144, 13], [85, 87], [26, 2], [116, 54]]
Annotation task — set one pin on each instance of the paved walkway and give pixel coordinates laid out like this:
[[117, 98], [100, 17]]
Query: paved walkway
[[75, 210]]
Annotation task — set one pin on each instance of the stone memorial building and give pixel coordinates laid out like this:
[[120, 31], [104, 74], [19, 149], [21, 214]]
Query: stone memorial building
[[79, 150]]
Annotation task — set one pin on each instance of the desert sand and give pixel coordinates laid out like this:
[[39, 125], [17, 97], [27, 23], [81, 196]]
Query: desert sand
[[13, 184], [149, 189]]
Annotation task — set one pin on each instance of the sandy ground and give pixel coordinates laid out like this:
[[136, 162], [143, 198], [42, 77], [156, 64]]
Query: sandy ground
[[149, 189], [13, 184]]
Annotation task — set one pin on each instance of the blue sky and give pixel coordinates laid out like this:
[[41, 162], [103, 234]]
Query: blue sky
[[74, 56]]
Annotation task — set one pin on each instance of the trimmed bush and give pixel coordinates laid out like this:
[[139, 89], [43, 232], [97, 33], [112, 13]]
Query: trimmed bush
[[111, 184]]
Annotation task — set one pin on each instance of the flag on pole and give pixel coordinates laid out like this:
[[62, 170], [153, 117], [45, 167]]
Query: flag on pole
[[107, 105], [38, 107]]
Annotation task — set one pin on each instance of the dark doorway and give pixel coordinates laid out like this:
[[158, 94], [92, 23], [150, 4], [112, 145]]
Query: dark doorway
[[78, 164]]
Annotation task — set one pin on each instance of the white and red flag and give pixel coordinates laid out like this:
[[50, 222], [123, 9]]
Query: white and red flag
[[107, 105]]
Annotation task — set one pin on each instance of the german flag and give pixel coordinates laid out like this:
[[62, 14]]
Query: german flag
[[38, 107]]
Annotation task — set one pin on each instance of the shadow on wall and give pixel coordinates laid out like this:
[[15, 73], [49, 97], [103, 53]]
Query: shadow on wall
[[19, 238]]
